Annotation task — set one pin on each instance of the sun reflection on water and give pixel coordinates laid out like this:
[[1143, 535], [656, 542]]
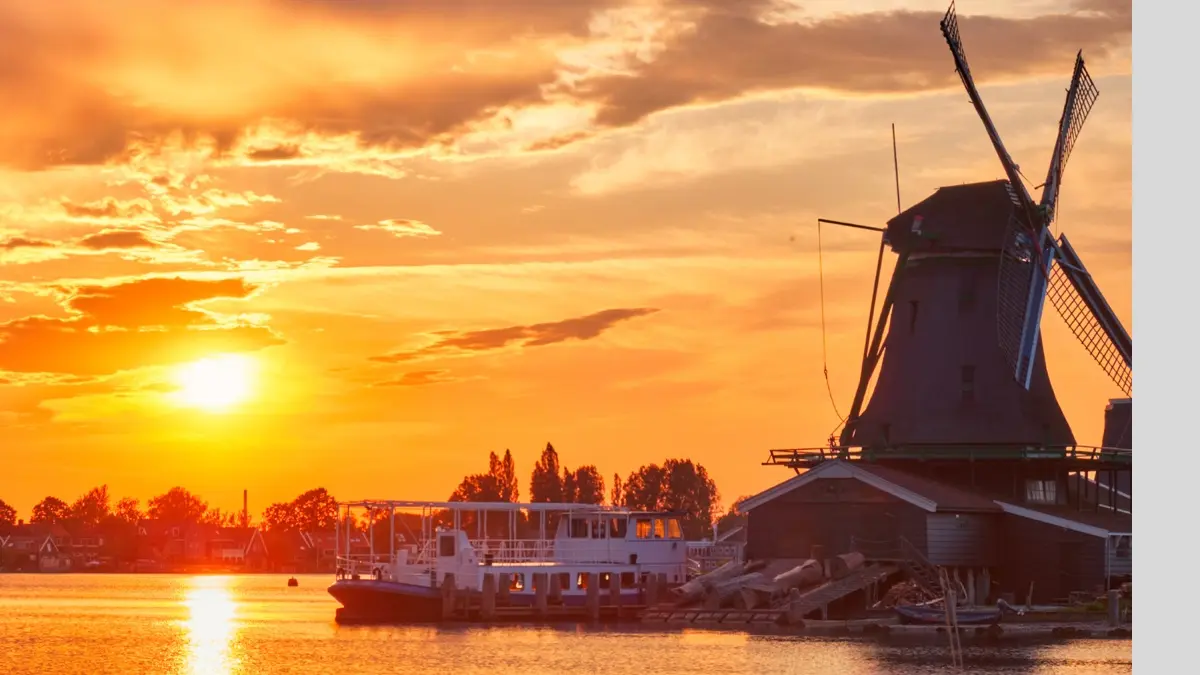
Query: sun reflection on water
[[211, 626]]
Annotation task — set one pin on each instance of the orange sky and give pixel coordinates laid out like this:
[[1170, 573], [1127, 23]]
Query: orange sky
[[445, 227]]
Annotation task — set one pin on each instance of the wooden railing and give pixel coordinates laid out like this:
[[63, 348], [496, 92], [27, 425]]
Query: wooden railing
[[807, 457]]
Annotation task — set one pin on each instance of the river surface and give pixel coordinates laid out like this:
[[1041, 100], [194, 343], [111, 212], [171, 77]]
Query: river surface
[[99, 624]]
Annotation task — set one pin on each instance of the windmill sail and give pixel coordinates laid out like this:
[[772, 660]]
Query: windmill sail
[[1081, 97], [1082, 306], [1020, 195]]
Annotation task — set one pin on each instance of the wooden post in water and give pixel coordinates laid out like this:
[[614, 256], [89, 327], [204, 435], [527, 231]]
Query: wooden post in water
[[556, 588], [540, 590], [487, 603], [593, 595], [662, 584], [448, 596], [651, 590], [1114, 607], [970, 586], [614, 593]]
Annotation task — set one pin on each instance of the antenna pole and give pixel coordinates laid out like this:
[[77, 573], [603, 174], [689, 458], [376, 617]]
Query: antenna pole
[[896, 167]]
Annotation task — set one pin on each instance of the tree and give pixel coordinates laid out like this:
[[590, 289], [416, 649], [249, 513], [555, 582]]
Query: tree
[[678, 485], [177, 505], [568, 486], [50, 510], [8, 515], [92, 508], [127, 511], [732, 518], [218, 518], [499, 484], [589, 485], [545, 485], [313, 511], [507, 479], [614, 497]]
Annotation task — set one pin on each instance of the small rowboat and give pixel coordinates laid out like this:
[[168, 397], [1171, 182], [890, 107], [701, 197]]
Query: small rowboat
[[915, 614]]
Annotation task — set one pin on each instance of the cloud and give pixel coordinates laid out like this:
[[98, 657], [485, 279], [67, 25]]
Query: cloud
[[14, 243], [535, 335], [118, 239], [81, 91], [418, 378], [728, 54], [136, 323], [401, 227], [309, 246]]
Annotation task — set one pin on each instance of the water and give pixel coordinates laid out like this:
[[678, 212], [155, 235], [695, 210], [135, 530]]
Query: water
[[99, 624]]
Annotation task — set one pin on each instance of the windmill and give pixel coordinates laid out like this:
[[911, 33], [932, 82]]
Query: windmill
[[963, 362]]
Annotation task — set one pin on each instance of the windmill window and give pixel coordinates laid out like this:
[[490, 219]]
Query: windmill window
[[968, 383], [912, 317], [1041, 492]]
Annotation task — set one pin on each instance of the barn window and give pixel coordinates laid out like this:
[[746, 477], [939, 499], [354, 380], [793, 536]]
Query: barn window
[[1041, 492]]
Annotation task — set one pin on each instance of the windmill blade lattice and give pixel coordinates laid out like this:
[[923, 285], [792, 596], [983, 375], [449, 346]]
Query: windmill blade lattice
[[1081, 96], [1079, 302], [1014, 280]]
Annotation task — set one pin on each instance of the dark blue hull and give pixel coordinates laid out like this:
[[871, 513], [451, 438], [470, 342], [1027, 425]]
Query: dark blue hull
[[913, 614]]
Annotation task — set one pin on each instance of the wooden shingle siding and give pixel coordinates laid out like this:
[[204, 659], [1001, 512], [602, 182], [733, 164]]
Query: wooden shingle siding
[[832, 512], [964, 540]]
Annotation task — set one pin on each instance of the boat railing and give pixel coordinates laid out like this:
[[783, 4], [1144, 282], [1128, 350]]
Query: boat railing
[[510, 551]]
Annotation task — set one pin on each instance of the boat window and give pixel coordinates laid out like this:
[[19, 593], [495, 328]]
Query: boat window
[[628, 580], [643, 528], [601, 530], [605, 580], [446, 546], [581, 581], [579, 528], [673, 530], [517, 583], [564, 581], [660, 532], [618, 528]]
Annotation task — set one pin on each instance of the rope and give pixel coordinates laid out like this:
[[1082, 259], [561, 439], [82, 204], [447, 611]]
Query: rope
[[824, 342]]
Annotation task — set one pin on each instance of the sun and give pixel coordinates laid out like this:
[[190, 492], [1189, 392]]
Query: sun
[[216, 383]]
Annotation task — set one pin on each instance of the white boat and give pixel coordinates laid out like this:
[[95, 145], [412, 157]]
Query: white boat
[[400, 579]]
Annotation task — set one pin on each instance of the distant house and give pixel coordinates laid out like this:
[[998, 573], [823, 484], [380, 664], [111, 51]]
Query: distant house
[[174, 544], [32, 548]]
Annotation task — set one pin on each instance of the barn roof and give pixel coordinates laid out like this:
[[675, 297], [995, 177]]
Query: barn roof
[[1095, 523], [924, 493]]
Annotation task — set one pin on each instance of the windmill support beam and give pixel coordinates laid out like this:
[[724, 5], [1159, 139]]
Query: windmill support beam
[[874, 295], [872, 357]]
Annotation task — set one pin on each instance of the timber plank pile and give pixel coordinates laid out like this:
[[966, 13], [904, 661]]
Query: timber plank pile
[[777, 591]]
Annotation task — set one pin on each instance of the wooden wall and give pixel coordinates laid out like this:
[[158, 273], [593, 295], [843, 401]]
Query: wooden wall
[[963, 540], [1056, 560], [831, 512]]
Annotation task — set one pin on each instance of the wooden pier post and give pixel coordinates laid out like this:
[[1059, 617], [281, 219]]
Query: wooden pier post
[[487, 603], [651, 590], [1114, 607], [503, 590], [448, 589], [556, 588], [593, 595], [541, 588], [971, 587], [614, 593]]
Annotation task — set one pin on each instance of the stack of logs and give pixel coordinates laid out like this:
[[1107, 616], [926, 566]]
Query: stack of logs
[[748, 585]]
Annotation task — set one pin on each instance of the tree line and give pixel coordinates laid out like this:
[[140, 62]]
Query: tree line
[[677, 485]]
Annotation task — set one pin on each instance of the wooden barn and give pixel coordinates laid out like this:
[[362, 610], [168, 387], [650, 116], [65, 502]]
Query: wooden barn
[[993, 543]]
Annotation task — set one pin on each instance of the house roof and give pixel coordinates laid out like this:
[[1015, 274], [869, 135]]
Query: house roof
[[924, 493]]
